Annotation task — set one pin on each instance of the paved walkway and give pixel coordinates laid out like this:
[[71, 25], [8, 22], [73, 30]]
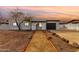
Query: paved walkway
[[39, 43]]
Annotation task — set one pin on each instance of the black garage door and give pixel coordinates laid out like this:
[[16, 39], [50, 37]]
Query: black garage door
[[51, 26]]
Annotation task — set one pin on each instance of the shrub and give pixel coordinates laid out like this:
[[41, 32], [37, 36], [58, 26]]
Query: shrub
[[53, 33], [65, 40], [49, 38], [76, 45]]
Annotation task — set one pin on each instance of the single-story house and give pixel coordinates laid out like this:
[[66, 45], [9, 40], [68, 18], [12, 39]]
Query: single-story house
[[42, 24], [34, 24], [73, 25], [70, 25], [4, 24]]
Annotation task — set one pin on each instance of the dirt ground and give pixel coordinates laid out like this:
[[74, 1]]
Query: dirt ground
[[60, 45], [39, 43], [35, 41], [14, 40], [72, 36]]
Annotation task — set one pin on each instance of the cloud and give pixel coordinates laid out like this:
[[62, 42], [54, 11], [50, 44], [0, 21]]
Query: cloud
[[45, 12]]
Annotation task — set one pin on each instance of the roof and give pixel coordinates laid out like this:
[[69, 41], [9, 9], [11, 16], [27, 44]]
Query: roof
[[3, 21], [38, 19], [54, 20], [73, 21], [43, 20]]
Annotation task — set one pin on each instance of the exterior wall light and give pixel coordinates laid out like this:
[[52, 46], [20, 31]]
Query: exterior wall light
[[14, 24]]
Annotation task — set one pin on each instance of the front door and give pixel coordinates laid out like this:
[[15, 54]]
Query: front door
[[38, 26]]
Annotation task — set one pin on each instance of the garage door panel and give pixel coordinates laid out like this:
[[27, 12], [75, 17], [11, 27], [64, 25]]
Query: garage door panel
[[51, 26]]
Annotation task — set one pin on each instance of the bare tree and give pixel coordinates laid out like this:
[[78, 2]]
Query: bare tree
[[19, 17]]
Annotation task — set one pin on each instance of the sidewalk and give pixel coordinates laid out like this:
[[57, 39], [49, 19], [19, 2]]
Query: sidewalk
[[39, 43]]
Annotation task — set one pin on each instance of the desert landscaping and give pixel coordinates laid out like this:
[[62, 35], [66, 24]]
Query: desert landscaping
[[61, 43], [72, 36], [37, 41], [14, 40]]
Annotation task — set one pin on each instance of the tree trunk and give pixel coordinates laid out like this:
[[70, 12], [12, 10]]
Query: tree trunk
[[18, 25]]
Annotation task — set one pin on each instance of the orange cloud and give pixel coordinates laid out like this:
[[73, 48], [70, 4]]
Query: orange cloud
[[69, 12]]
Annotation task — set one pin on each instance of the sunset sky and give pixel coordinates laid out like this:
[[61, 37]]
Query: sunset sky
[[48, 12]]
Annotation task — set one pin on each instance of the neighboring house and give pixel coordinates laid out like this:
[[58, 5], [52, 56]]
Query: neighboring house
[[62, 26], [4, 25], [70, 25]]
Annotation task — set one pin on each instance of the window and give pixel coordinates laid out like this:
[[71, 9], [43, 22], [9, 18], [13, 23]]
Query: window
[[26, 24], [14, 24]]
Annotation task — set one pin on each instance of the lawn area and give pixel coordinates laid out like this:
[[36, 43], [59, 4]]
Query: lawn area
[[14, 40]]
